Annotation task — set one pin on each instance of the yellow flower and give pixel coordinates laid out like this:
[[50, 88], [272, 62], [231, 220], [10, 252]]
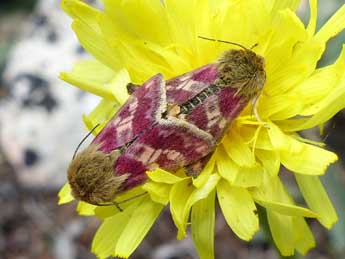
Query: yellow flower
[[131, 40]]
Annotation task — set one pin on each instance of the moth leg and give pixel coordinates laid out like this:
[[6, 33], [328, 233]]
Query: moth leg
[[131, 88], [117, 206], [195, 169], [255, 111]]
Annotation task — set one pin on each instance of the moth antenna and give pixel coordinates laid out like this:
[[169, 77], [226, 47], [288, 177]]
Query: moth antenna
[[255, 45], [113, 203], [117, 204], [223, 41], [82, 141]]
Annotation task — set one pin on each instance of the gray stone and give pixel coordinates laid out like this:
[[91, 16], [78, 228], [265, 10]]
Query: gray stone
[[40, 118]]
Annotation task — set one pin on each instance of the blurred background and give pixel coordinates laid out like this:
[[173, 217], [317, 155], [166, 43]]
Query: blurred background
[[40, 126]]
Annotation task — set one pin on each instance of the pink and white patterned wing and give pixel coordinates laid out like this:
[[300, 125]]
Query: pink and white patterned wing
[[144, 107], [183, 88], [171, 144]]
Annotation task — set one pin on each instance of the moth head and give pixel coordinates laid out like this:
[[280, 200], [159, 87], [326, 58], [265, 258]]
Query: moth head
[[92, 177], [243, 70]]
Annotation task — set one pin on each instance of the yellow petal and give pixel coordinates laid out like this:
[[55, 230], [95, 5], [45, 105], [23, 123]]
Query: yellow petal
[[95, 44], [300, 157], [65, 194], [313, 17], [280, 50], [273, 196], [89, 86], [280, 107], [81, 11], [161, 176], [205, 173], [329, 106], [238, 150], [186, 199], [100, 115], [172, 63], [290, 233], [239, 209], [93, 70], [159, 192], [203, 219], [108, 234], [296, 69], [332, 27], [252, 21], [270, 160], [249, 176], [226, 167], [333, 105], [179, 195], [272, 189], [259, 137], [118, 85], [103, 212], [137, 227], [304, 239], [86, 209], [107, 108], [309, 160], [96, 78], [322, 83], [123, 200], [282, 4], [142, 58], [281, 141], [182, 25], [203, 191], [317, 199], [287, 209], [149, 24], [281, 227]]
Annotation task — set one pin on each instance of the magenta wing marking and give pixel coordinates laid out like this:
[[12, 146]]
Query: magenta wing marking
[[182, 88], [215, 114], [137, 170], [143, 108], [170, 144]]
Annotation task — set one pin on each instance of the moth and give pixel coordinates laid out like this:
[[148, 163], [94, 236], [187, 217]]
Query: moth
[[168, 124]]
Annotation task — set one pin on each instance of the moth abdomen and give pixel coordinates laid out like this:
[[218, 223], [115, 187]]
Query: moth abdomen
[[187, 107]]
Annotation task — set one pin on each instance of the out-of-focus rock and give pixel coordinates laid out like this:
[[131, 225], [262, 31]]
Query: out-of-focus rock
[[40, 117]]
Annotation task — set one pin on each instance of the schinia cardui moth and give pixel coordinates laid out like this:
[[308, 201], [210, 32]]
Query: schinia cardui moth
[[167, 124]]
